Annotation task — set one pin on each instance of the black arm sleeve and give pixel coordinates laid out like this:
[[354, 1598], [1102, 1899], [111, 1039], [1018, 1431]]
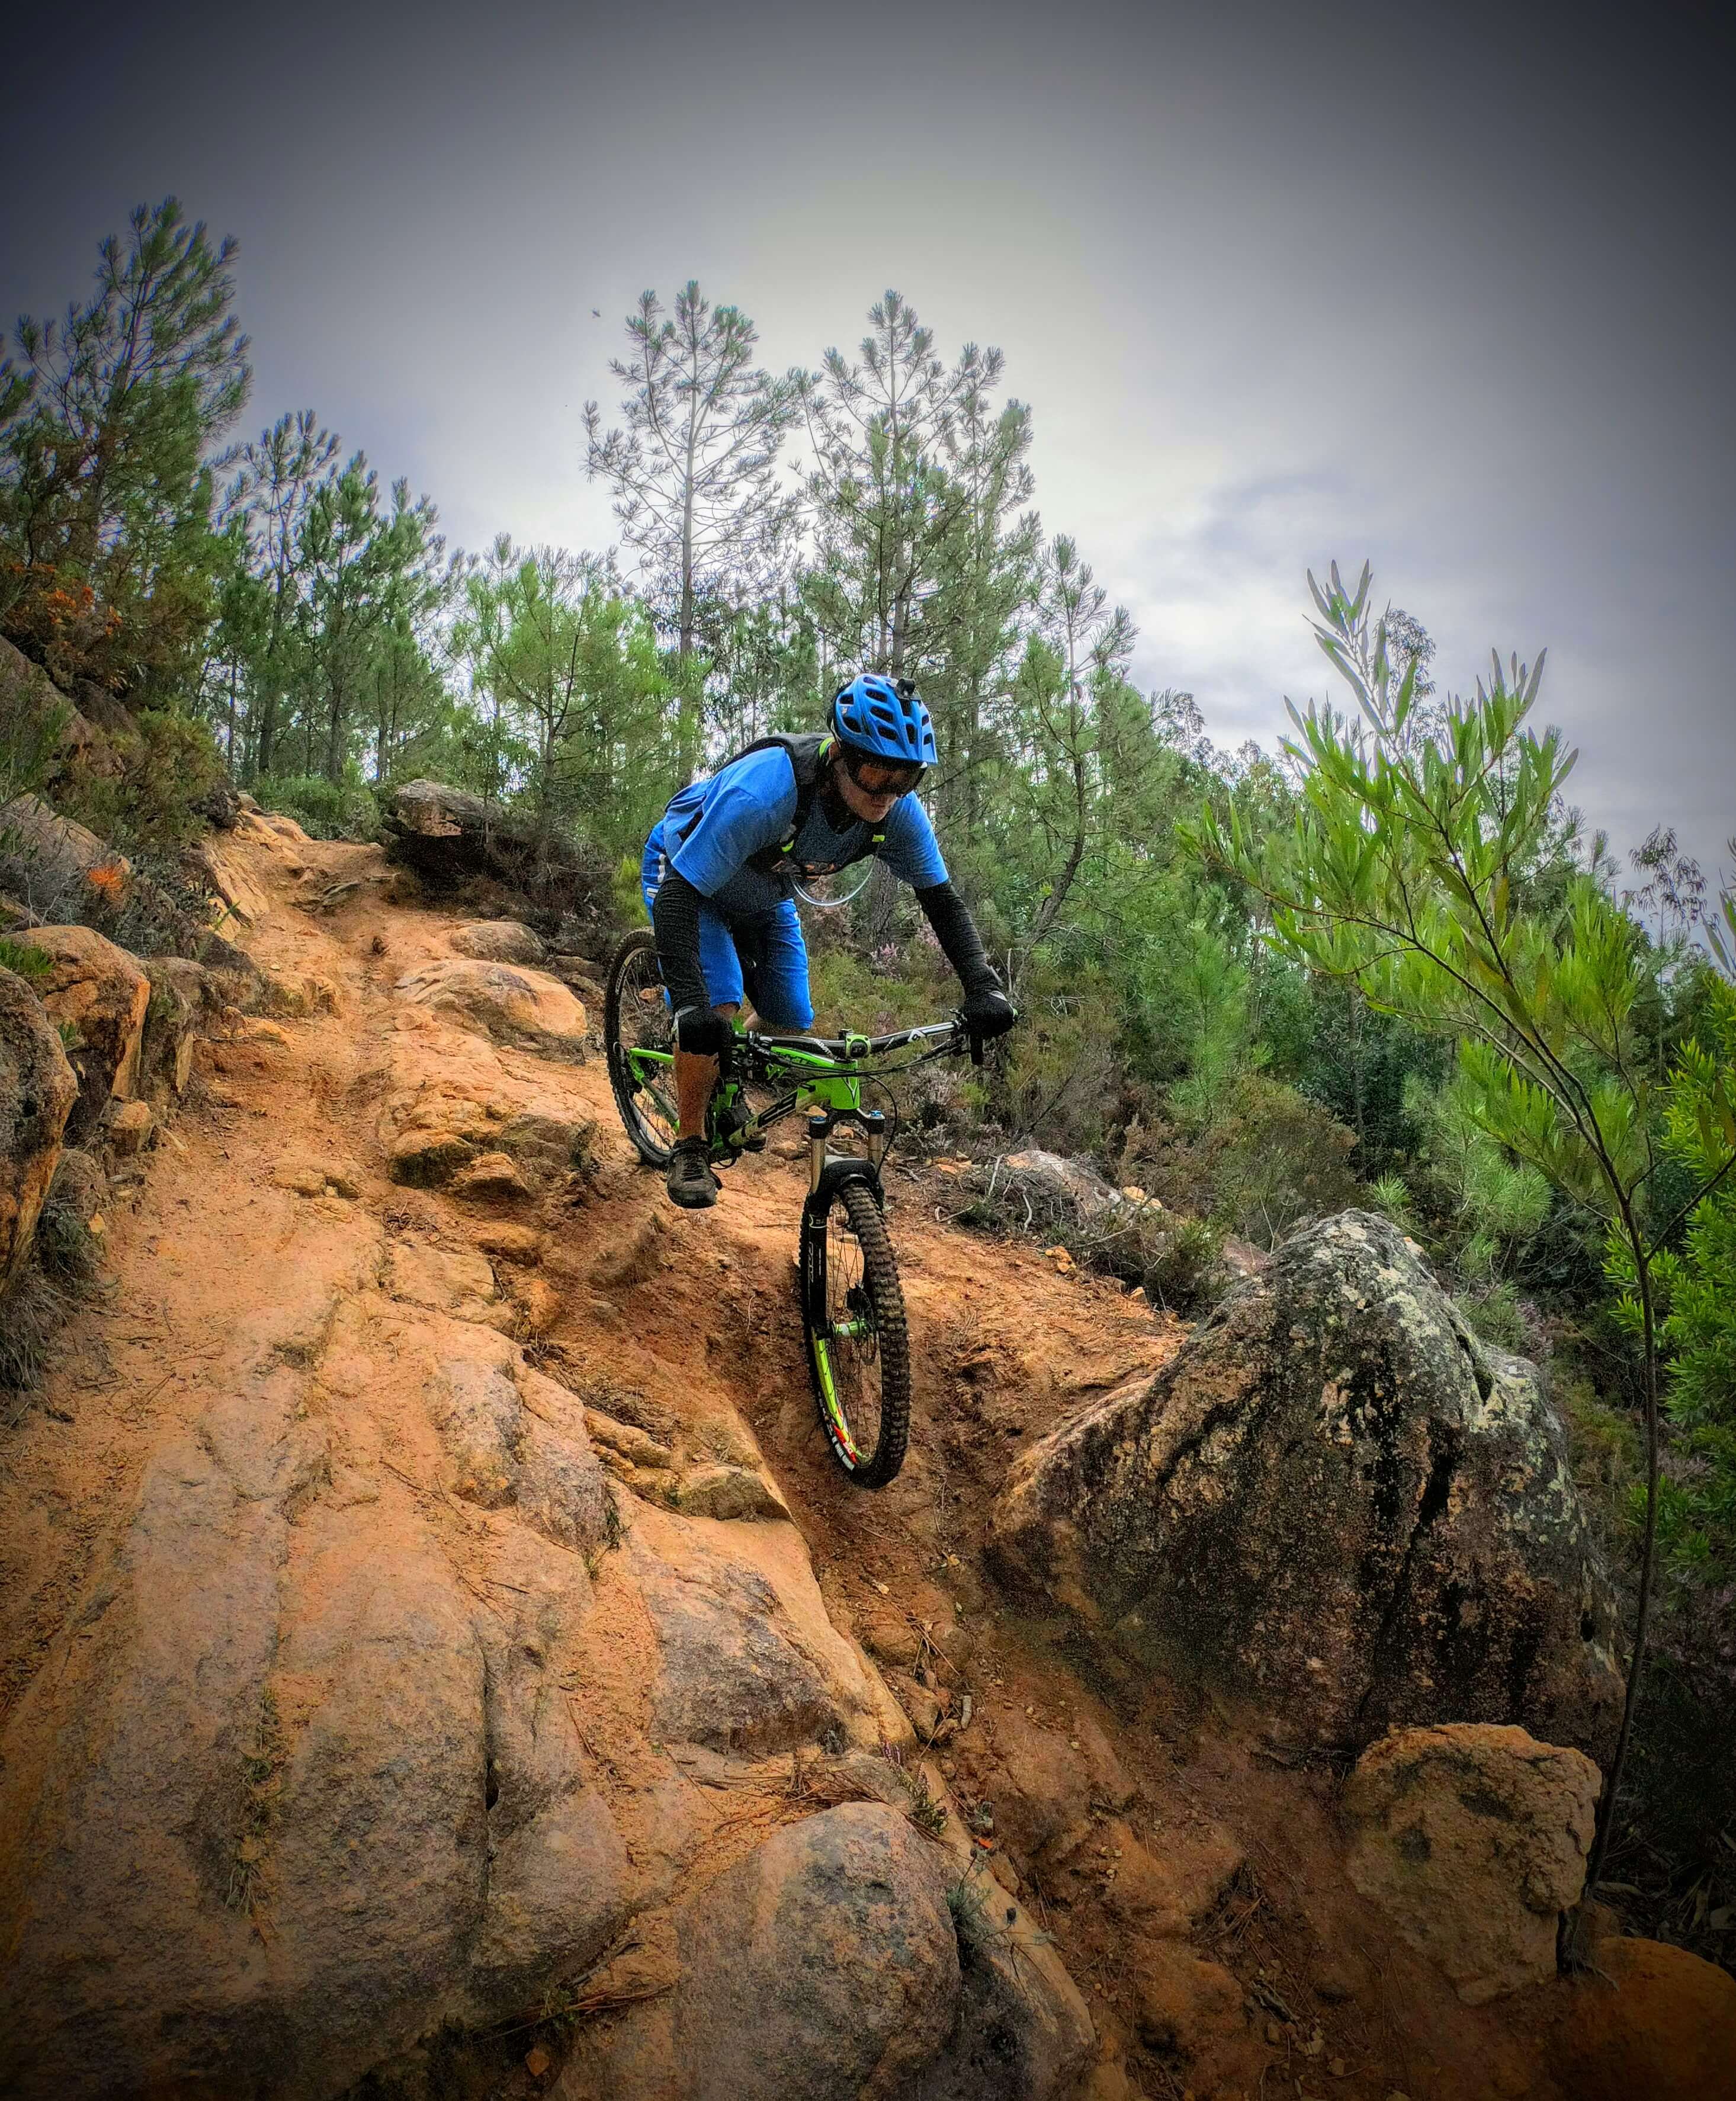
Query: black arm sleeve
[[675, 919], [956, 932]]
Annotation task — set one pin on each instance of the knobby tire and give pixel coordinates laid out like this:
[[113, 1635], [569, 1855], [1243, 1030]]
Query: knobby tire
[[633, 967], [868, 1468]]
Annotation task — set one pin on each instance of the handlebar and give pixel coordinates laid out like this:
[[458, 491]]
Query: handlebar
[[849, 1050]]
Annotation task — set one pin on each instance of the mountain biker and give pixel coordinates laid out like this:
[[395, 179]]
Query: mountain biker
[[722, 863]]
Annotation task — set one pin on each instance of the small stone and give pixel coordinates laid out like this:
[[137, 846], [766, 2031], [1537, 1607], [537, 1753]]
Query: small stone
[[130, 1125], [492, 1176], [1337, 2067], [256, 1029], [536, 2062], [511, 1243], [1336, 1982], [1273, 2033]]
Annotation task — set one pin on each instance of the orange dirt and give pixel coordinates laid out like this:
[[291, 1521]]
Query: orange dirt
[[682, 1324]]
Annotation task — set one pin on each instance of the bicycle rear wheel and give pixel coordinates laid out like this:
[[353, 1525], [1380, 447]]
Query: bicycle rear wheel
[[858, 1342], [638, 1037]]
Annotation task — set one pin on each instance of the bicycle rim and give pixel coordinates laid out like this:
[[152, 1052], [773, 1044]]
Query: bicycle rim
[[858, 1349], [636, 1020]]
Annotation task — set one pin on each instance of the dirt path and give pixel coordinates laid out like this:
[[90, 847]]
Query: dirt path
[[268, 1207]]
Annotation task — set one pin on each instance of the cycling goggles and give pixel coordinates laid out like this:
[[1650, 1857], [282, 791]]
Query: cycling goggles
[[880, 776]]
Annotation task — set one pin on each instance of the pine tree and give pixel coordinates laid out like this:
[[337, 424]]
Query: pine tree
[[986, 573], [569, 664], [693, 469], [268, 502], [106, 480], [373, 576], [883, 503], [1064, 717]]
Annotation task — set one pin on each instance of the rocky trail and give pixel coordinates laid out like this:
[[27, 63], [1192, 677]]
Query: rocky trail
[[440, 1655]]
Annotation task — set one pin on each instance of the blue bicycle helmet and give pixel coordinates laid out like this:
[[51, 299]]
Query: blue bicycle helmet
[[884, 721]]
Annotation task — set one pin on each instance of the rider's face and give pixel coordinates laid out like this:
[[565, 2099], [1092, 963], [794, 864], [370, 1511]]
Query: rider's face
[[861, 802], [870, 786]]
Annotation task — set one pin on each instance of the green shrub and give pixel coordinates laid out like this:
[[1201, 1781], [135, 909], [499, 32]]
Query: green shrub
[[149, 806], [1266, 1158], [324, 809], [27, 963], [1183, 1261], [1697, 1514], [1499, 1314], [63, 1265]]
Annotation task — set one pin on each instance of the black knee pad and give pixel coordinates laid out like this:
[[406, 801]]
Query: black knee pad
[[705, 1035]]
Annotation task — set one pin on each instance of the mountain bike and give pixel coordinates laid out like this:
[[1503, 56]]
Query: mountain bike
[[852, 1304]]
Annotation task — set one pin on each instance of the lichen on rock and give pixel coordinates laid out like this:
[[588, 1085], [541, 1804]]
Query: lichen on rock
[[1336, 1502]]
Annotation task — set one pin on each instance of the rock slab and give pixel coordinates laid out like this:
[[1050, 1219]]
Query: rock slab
[[498, 941], [1472, 1839], [1335, 1502], [823, 1967], [38, 1089], [516, 1005], [102, 993]]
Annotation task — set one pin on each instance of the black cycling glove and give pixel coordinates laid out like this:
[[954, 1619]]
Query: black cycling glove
[[989, 1013]]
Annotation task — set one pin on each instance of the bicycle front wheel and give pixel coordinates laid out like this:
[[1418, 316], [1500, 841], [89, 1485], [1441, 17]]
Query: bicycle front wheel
[[638, 1038], [857, 1342]]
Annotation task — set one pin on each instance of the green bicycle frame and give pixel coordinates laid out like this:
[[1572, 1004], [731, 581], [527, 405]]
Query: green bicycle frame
[[814, 1079]]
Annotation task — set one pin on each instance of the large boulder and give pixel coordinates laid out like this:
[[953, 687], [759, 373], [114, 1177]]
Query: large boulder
[[823, 1967], [521, 1006], [302, 1788], [102, 994], [37, 1090], [179, 995], [34, 712], [748, 1663], [1335, 1502], [1471, 1839], [447, 1099], [1022, 2032]]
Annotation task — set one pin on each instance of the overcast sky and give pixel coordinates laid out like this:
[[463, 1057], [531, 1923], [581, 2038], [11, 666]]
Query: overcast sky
[[1446, 287]]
